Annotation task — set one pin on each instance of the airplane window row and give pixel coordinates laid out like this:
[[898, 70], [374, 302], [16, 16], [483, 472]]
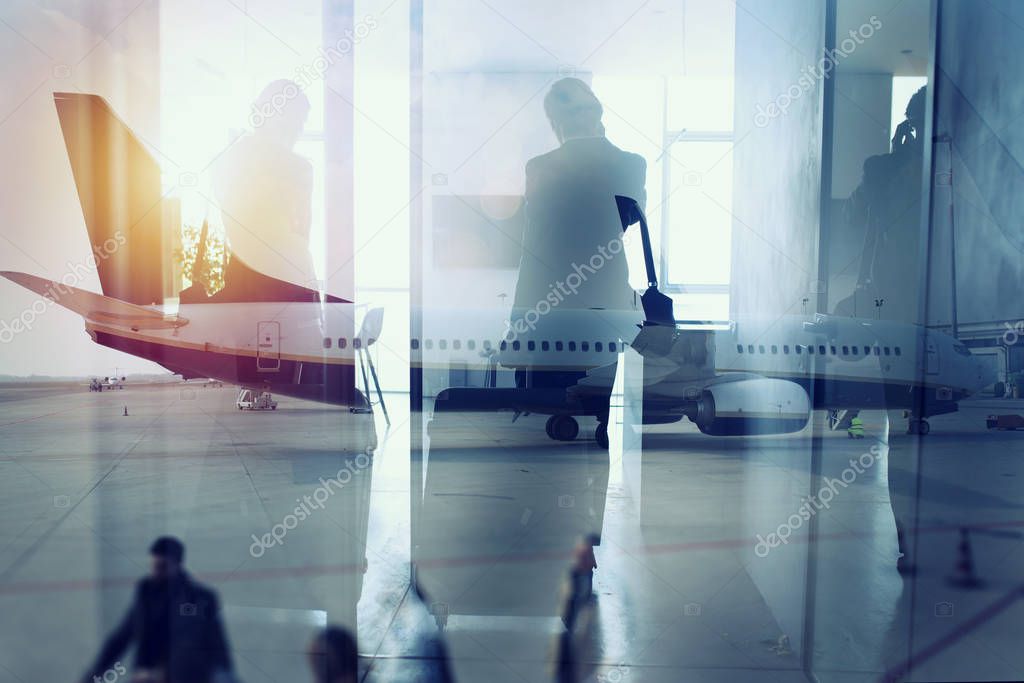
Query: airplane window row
[[456, 344], [799, 349], [343, 342]]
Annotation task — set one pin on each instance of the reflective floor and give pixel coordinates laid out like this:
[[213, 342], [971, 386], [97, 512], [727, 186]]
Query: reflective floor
[[684, 591]]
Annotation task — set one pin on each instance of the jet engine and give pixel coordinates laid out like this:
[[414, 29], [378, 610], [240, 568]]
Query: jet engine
[[751, 406]]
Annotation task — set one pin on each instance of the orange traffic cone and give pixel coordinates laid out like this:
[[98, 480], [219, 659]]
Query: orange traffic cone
[[963, 573]]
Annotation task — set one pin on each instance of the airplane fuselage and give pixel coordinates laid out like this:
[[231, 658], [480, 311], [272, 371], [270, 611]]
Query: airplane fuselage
[[309, 350]]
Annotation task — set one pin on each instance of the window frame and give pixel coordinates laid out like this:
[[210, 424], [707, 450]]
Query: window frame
[[669, 284]]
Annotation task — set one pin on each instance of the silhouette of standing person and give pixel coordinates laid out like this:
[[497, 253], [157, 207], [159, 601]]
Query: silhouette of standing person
[[887, 204], [265, 192], [174, 623], [573, 255], [571, 214]]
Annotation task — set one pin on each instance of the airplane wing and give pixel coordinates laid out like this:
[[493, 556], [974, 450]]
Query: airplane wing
[[679, 379], [96, 307]]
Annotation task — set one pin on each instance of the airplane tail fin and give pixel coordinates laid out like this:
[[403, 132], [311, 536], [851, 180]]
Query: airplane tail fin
[[119, 189], [134, 230]]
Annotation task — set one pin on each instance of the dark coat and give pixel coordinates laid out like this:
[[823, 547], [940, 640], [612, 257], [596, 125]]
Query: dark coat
[[175, 626], [570, 214]]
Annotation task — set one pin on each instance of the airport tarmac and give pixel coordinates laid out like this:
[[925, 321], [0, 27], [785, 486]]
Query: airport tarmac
[[684, 591]]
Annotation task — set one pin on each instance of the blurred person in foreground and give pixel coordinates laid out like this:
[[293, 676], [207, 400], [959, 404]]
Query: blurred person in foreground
[[573, 652], [333, 656], [417, 633], [174, 624]]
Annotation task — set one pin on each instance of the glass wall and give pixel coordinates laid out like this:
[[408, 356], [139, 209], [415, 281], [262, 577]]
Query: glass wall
[[909, 559], [873, 240], [519, 341]]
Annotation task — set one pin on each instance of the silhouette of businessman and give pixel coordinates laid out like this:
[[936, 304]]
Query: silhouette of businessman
[[174, 624], [572, 219]]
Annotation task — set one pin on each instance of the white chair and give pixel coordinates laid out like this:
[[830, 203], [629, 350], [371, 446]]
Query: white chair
[[369, 333]]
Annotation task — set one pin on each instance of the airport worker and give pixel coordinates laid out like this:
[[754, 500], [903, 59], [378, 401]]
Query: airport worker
[[856, 428]]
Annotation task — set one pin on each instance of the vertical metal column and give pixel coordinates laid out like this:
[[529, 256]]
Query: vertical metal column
[[924, 248], [821, 306], [415, 277]]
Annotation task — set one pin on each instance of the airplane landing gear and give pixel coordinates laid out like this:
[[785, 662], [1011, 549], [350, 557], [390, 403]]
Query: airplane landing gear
[[562, 427], [918, 426], [601, 434]]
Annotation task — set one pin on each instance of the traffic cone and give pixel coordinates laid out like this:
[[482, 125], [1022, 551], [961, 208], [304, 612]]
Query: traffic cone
[[963, 573]]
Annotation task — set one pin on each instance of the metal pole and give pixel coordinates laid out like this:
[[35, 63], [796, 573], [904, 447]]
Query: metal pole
[[952, 239], [416, 8], [821, 306]]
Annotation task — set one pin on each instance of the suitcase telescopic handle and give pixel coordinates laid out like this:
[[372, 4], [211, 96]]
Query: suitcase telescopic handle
[[630, 213]]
